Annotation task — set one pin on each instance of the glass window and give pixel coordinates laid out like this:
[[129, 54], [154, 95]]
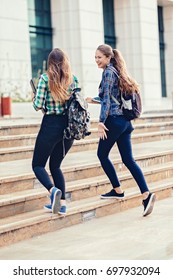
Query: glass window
[[40, 28], [162, 50], [109, 23]]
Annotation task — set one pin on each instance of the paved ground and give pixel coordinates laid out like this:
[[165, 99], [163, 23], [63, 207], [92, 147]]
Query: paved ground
[[123, 236]]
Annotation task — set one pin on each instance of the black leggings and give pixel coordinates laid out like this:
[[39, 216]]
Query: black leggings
[[120, 132], [50, 143]]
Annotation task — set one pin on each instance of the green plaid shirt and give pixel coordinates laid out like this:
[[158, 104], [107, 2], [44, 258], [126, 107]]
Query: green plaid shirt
[[43, 99]]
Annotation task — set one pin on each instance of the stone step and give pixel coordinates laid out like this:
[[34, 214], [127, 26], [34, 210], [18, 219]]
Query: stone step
[[31, 126], [24, 126], [9, 141], [151, 127], [26, 225], [34, 199], [21, 127], [17, 175], [22, 197], [155, 117], [21, 152], [90, 142]]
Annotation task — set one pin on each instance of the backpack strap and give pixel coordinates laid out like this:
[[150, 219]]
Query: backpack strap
[[116, 73], [115, 100], [113, 70]]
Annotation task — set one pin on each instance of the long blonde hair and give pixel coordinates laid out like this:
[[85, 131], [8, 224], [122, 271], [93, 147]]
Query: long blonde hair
[[127, 84], [59, 75]]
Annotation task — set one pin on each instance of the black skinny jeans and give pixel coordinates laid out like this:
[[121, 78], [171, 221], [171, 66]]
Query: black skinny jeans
[[120, 132], [50, 144]]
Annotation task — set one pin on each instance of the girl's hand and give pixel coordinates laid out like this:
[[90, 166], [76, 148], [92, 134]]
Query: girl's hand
[[89, 100], [32, 96], [102, 130], [92, 100]]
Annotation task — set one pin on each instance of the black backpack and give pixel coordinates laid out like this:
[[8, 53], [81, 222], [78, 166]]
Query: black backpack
[[131, 104], [78, 116]]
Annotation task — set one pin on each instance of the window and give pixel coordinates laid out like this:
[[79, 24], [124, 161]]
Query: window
[[162, 50], [109, 23], [40, 30]]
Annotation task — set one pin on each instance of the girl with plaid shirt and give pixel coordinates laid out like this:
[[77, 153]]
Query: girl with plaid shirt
[[53, 90]]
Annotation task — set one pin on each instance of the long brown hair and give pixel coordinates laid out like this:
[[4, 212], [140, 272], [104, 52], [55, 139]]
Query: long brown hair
[[59, 75], [126, 83]]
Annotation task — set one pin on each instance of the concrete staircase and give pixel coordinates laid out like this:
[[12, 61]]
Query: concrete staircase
[[22, 197]]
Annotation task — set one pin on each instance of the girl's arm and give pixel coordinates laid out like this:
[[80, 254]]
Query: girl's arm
[[39, 98]]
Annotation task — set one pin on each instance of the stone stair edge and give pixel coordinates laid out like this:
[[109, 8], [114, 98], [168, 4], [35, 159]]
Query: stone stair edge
[[87, 204], [152, 124], [29, 148], [82, 141], [23, 195], [26, 195], [77, 167], [10, 123], [76, 207], [17, 136], [135, 123]]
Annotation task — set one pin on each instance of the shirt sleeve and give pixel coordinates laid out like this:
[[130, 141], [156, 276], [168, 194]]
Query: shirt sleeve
[[40, 97], [107, 85]]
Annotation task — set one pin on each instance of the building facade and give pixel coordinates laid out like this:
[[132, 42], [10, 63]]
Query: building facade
[[141, 29]]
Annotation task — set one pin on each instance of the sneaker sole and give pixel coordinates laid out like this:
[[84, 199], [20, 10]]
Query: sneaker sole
[[56, 202], [150, 205], [112, 197], [63, 214], [48, 209]]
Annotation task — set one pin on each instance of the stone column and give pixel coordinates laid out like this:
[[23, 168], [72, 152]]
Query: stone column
[[15, 61], [78, 29], [137, 32], [168, 36]]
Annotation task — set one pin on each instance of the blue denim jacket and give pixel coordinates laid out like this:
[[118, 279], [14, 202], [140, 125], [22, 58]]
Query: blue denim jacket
[[108, 87]]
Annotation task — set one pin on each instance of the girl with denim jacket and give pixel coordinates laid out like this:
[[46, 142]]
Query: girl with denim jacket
[[113, 127]]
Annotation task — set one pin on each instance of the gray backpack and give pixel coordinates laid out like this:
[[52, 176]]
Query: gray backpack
[[78, 116]]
